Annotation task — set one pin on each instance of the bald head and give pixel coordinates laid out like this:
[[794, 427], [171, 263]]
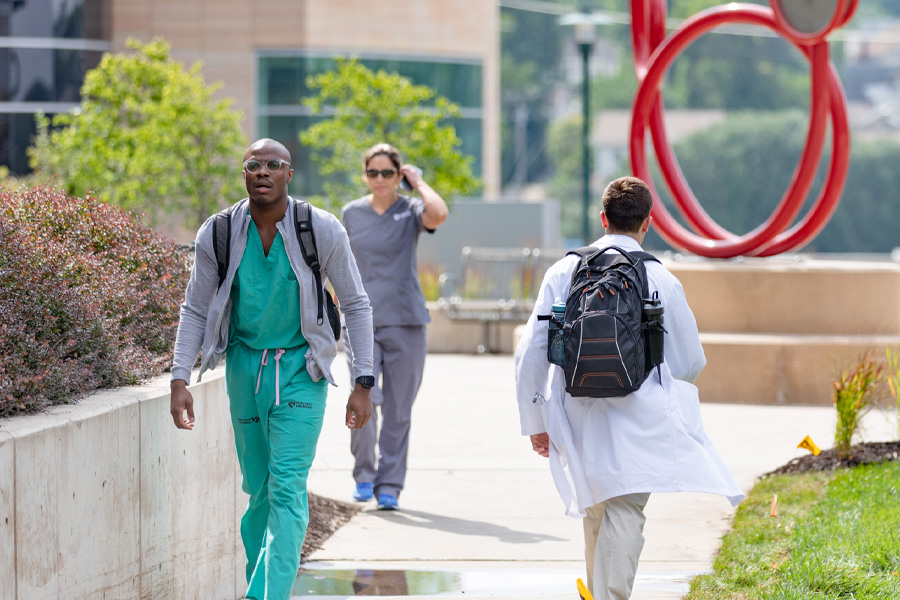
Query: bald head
[[268, 145], [268, 176]]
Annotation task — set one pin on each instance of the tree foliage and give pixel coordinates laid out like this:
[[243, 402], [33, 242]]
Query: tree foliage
[[566, 184], [364, 108], [148, 135], [739, 171], [731, 72]]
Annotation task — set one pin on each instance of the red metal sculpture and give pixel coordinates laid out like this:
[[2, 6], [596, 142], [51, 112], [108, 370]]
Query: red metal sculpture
[[654, 53]]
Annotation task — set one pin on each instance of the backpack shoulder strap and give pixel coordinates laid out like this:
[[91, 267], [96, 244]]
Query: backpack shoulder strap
[[645, 256], [307, 238], [584, 251], [222, 241]]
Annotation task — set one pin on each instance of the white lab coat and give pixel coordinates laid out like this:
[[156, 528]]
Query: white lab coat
[[649, 441]]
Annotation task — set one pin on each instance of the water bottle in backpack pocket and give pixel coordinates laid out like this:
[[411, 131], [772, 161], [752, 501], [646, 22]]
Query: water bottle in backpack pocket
[[654, 332], [556, 352]]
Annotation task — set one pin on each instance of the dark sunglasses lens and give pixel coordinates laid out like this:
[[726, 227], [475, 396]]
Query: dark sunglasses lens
[[252, 166], [274, 165], [386, 173]]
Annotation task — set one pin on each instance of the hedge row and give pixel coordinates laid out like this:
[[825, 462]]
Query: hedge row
[[89, 298]]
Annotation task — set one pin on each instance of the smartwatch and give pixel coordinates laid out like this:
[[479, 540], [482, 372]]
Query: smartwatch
[[367, 381]]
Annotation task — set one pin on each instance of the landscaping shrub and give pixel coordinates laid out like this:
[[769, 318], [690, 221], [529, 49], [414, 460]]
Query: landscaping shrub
[[89, 298], [893, 379], [854, 395]]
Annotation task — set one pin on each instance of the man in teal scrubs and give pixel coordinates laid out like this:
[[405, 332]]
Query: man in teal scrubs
[[279, 356]]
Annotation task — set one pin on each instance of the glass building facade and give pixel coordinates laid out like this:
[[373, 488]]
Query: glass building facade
[[282, 86], [46, 47]]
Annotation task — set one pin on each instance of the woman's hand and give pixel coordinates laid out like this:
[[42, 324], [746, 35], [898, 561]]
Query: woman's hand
[[412, 176]]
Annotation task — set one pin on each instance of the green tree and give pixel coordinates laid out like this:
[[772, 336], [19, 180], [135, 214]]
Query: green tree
[[566, 184], [366, 108], [148, 136]]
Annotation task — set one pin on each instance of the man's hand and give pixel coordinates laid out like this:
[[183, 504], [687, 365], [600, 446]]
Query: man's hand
[[540, 443], [182, 402], [359, 407]]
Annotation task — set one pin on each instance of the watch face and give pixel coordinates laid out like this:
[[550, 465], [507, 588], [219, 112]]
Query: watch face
[[367, 381], [807, 16]]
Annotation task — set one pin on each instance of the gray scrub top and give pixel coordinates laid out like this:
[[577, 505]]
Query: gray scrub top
[[385, 250]]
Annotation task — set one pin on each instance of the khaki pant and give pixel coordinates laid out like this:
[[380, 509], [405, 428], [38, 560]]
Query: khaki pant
[[613, 540]]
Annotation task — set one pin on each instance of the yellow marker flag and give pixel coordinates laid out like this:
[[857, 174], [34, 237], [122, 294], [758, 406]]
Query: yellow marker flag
[[810, 445], [583, 591]]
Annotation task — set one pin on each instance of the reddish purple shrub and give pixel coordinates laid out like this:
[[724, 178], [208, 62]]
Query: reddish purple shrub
[[89, 298]]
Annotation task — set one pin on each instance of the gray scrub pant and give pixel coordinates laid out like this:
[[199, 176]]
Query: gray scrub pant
[[399, 362]]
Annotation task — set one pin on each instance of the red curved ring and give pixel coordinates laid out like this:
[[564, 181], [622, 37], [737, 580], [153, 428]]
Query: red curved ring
[[803, 178], [762, 241]]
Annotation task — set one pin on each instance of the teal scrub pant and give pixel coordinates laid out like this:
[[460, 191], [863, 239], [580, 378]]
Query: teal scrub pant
[[276, 444]]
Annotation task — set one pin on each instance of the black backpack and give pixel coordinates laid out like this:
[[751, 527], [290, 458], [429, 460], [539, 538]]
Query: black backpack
[[610, 344], [307, 239]]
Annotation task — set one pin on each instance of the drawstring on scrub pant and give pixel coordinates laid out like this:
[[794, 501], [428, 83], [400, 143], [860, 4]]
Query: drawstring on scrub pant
[[265, 361]]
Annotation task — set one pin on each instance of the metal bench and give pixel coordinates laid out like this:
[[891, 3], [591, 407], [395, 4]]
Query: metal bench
[[541, 260], [494, 285]]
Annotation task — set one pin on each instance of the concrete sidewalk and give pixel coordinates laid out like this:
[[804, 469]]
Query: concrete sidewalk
[[480, 516]]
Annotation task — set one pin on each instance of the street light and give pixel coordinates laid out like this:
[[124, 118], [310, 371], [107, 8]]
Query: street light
[[585, 36]]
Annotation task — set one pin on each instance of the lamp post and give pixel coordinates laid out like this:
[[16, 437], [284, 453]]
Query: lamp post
[[585, 35]]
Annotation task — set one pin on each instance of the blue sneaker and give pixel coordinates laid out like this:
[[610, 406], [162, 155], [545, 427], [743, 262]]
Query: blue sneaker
[[387, 502], [363, 492]]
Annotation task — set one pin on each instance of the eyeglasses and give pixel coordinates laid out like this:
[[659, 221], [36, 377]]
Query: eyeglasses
[[253, 166], [385, 173]]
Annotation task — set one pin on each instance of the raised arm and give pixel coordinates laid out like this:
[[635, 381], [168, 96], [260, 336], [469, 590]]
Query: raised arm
[[436, 211]]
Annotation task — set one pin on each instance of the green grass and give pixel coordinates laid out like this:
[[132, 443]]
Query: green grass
[[837, 536]]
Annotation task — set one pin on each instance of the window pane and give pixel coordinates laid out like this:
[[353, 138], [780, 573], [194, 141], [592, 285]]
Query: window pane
[[469, 132], [30, 75], [16, 132], [282, 86], [54, 18], [283, 78]]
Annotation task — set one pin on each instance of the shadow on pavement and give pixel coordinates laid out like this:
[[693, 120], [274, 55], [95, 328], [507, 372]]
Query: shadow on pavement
[[416, 518]]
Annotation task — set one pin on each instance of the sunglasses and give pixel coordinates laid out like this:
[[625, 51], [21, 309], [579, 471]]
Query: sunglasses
[[385, 173], [253, 166]]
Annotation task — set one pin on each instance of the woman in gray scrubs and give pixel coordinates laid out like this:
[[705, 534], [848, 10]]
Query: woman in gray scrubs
[[384, 228]]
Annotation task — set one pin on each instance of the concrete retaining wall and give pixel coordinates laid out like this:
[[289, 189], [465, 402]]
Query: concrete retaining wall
[[107, 499]]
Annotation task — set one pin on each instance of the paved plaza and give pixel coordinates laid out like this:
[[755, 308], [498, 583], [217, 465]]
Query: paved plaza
[[480, 516]]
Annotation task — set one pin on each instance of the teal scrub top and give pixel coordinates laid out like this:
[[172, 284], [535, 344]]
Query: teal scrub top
[[265, 310]]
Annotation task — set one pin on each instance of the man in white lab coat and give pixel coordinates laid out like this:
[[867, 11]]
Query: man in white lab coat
[[608, 454]]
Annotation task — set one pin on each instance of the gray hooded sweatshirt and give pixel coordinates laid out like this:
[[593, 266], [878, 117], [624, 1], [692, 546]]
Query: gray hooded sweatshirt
[[206, 311]]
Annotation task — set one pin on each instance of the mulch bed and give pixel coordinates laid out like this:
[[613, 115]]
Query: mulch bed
[[827, 460], [325, 517]]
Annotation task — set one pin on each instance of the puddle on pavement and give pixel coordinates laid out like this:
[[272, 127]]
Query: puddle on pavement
[[526, 583], [367, 582]]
